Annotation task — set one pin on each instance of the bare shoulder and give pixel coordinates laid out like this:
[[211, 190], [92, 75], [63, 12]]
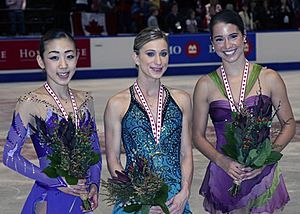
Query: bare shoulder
[[203, 88], [270, 74], [203, 83], [120, 97], [119, 102], [271, 77], [182, 98], [179, 94]]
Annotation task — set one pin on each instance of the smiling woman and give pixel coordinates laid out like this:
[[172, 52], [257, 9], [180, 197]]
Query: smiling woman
[[154, 123], [225, 92], [58, 59]]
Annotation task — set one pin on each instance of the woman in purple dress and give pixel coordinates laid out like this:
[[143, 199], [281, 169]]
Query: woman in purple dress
[[262, 190], [58, 58]]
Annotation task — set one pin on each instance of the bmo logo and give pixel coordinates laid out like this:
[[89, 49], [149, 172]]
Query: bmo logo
[[192, 49]]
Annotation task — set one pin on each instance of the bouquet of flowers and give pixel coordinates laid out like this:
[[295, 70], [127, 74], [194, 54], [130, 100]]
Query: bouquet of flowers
[[137, 189], [70, 148], [248, 138]]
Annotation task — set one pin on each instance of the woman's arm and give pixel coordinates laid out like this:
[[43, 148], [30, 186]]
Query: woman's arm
[[186, 156], [112, 126], [18, 133], [284, 114]]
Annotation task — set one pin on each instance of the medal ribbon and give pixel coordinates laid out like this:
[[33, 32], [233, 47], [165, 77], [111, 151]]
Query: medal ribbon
[[156, 128], [242, 90], [58, 103]]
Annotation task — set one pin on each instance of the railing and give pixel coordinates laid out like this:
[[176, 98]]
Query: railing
[[36, 20]]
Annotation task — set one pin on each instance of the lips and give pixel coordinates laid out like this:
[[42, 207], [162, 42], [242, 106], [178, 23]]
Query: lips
[[157, 69], [63, 74], [229, 53]]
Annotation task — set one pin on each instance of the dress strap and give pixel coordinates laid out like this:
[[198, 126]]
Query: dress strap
[[131, 89], [250, 83], [252, 78], [217, 80]]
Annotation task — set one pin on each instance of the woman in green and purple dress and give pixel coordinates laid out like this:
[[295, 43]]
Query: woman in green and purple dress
[[237, 82]]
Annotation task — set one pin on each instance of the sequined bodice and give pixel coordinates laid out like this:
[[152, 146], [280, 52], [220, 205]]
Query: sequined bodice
[[138, 139]]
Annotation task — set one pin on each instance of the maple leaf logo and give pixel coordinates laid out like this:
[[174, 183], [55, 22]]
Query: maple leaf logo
[[93, 28]]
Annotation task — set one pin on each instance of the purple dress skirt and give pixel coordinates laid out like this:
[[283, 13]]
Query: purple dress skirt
[[264, 193], [44, 188]]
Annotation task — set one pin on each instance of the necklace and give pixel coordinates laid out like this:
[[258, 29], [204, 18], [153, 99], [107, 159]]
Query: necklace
[[242, 90], [58, 103], [156, 128]]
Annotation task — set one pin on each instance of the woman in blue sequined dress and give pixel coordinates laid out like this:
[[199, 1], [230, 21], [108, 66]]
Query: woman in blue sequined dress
[[58, 58], [152, 121]]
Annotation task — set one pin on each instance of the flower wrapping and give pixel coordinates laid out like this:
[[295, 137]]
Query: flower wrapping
[[69, 147], [136, 189], [248, 138]]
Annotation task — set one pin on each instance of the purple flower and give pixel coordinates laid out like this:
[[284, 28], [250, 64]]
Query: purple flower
[[121, 178], [262, 108]]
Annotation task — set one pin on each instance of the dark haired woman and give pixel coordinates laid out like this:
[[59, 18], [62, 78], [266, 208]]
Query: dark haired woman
[[58, 58], [219, 93]]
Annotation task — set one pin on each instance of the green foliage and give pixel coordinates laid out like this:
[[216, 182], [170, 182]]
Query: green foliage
[[71, 151], [247, 137], [137, 189]]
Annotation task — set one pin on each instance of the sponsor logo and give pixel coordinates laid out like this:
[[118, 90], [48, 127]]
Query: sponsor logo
[[175, 50], [192, 49], [3, 55]]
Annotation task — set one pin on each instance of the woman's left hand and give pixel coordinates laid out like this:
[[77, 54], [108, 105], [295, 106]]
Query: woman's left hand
[[177, 203], [251, 173], [94, 196]]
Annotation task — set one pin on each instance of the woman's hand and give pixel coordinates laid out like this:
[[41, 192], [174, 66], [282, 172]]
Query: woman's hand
[[177, 203], [93, 196], [251, 173], [156, 210], [76, 190], [232, 168]]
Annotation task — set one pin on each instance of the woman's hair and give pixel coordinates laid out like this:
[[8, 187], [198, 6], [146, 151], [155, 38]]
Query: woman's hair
[[227, 17], [54, 34], [147, 35]]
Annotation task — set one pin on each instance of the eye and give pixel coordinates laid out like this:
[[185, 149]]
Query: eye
[[150, 54], [219, 39], [164, 53], [70, 57], [54, 58], [233, 36]]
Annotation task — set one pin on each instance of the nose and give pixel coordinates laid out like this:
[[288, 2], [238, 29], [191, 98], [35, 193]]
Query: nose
[[157, 59], [227, 43], [62, 63]]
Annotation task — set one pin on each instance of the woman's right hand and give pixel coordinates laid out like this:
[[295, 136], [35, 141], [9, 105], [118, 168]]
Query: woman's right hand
[[156, 210], [231, 167], [76, 190]]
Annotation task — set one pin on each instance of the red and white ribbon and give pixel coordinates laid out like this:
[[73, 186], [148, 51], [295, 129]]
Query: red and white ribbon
[[58, 103], [156, 128], [242, 90]]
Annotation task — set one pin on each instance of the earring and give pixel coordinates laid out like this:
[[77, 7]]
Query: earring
[[245, 40]]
